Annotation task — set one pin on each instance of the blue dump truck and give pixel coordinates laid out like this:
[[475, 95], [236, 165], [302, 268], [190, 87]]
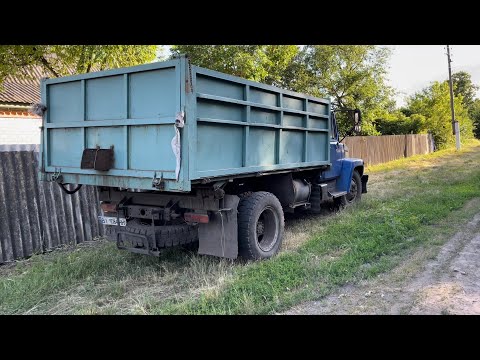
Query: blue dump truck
[[185, 155]]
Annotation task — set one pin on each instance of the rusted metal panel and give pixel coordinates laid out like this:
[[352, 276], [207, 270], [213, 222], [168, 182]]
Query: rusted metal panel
[[36, 216]]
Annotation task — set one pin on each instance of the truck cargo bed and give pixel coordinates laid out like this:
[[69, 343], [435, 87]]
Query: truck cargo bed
[[232, 126]]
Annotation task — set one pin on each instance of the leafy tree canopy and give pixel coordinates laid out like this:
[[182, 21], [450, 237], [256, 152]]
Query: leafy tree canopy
[[397, 123], [434, 104], [61, 60], [262, 63], [474, 113], [463, 85], [352, 75]]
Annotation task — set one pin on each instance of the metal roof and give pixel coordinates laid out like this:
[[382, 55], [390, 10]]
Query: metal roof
[[22, 89]]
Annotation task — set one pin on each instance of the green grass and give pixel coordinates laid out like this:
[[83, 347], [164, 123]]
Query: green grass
[[91, 278], [35, 281], [407, 206]]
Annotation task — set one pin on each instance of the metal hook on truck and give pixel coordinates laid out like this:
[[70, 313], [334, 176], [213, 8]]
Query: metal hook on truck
[[183, 155]]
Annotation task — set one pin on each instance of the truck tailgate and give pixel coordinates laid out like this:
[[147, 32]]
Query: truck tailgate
[[131, 110]]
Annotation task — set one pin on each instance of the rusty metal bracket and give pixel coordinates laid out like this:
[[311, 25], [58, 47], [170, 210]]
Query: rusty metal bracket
[[57, 175], [206, 180], [158, 183], [97, 158], [219, 185], [218, 191]]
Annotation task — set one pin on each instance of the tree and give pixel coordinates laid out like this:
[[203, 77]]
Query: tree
[[352, 75], [263, 63], [433, 103], [61, 60], [463, 85], [475, 115]]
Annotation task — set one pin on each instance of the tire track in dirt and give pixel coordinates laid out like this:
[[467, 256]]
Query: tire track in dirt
[[447, 284]]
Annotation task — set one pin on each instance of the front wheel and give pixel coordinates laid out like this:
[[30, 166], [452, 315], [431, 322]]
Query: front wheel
[[260, 226], [354, 194]]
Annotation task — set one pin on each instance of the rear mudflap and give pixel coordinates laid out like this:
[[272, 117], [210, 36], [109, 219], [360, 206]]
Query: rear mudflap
[[220, 236], [364, 183]]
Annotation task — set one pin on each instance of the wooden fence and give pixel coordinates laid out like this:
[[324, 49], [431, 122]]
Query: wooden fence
[[37, 216], [379, 149]]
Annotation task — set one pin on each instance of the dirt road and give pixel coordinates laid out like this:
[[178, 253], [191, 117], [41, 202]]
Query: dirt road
[[430, 282]]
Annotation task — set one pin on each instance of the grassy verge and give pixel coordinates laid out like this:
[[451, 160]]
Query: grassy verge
[[98, 278], [407, 204]]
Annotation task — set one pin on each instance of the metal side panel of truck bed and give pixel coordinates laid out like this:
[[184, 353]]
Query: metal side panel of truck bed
[[232, 126]]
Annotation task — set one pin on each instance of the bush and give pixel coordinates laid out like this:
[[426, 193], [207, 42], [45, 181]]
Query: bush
[[399, 124]]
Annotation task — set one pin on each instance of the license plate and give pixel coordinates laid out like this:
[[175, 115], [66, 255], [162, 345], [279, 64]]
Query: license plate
[[107, 220]]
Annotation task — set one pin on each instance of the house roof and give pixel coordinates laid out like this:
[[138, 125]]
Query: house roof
[[22, 90]]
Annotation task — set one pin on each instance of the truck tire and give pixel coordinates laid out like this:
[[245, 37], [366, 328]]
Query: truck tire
[[174, 235], [260, 226], [355, 193], [166, 236]]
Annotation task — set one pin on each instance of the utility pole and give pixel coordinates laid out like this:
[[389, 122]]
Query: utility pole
[[456, 128]]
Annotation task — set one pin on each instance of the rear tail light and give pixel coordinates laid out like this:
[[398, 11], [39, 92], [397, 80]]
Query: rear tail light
[[108, 207], [197, 218]]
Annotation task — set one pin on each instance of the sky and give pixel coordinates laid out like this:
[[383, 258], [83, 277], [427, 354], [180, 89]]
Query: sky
[[413, 67]]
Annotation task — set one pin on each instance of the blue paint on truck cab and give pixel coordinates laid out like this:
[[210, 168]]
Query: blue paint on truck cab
[[348, 167], [342, 168]]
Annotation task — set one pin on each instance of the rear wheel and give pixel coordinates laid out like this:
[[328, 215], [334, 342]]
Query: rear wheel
[[260, 226], [354, 194]]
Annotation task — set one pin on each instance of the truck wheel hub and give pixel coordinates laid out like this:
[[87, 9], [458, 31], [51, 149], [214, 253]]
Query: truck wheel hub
[[266, 231]]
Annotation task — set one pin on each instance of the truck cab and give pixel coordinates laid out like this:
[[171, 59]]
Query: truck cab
[[347, 173]]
